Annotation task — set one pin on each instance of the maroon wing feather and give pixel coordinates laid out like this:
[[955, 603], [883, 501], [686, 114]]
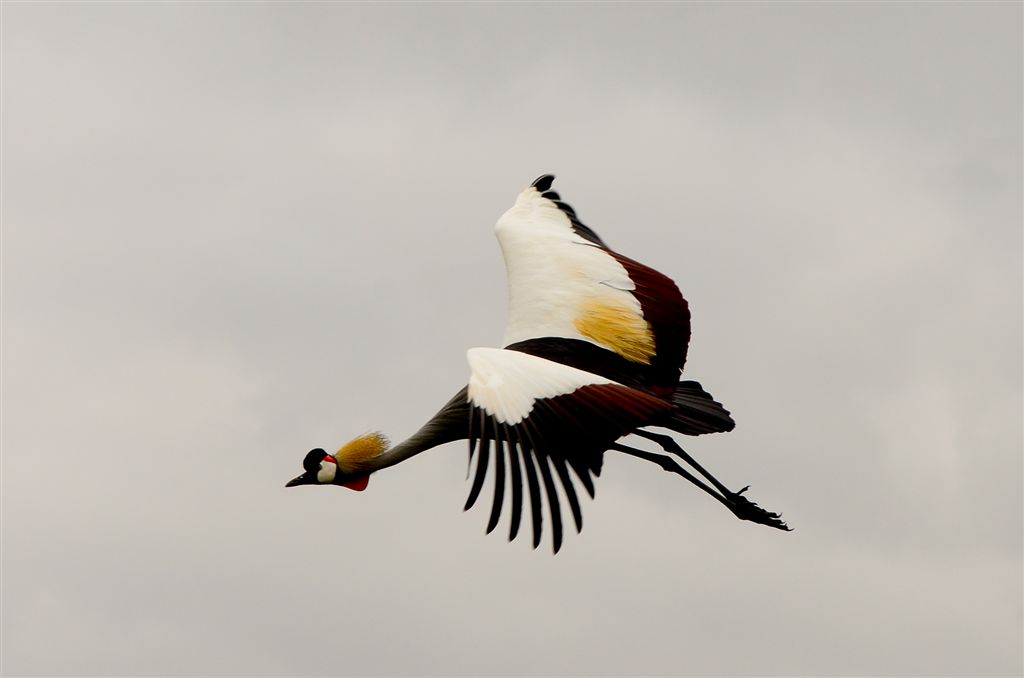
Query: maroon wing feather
[[668, 314]]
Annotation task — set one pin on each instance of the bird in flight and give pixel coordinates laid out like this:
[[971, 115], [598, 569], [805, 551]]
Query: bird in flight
[[594, 348]]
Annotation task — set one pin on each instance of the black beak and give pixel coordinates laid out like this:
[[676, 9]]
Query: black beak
[[304, 479]]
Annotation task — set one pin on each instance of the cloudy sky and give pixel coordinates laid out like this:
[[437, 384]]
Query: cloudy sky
[[233, 232]]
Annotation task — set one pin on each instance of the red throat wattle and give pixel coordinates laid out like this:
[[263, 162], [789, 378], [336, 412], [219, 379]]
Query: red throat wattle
[[359, 484]]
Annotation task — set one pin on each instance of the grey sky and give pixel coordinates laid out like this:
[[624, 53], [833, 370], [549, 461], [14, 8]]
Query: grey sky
[[233, 232]]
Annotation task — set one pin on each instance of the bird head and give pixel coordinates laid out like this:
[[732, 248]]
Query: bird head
[[349, 467], [322, 469]]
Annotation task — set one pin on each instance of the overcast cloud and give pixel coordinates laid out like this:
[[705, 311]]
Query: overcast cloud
[[233, 232]]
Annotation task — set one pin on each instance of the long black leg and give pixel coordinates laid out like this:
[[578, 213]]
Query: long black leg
[[669, 444], [740, 506], [671, 465]]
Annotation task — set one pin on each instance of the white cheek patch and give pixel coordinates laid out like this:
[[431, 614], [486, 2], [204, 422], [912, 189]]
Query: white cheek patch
[[326, 473]]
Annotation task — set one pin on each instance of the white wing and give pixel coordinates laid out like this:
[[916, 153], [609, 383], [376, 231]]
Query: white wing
[[544, 416], [565, 283]]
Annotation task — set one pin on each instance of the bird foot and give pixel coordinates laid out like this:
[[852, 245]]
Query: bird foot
[[744, 509]]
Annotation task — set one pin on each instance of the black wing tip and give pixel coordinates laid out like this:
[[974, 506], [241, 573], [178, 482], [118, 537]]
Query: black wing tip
[[543, 182], [543, 185]]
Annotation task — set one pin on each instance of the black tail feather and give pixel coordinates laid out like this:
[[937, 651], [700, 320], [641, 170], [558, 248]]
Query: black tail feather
[[697, 412]]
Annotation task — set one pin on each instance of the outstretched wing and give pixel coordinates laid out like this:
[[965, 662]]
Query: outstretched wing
[[565, 283], [543, 419]]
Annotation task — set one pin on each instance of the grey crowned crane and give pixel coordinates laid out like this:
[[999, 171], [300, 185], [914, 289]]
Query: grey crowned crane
[[593, 351]]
